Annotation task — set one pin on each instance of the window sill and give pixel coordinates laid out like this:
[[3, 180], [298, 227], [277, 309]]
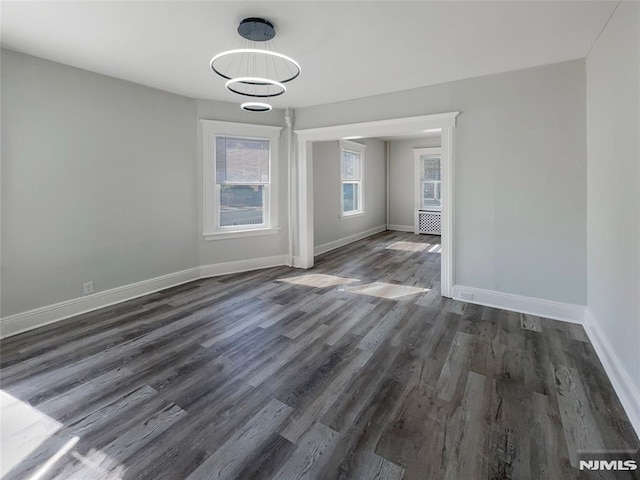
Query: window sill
[[345, 216], [255, 232]]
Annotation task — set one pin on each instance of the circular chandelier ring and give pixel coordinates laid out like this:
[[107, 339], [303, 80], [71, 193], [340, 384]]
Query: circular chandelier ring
[[257, 51], [256, 107], [258, 81]]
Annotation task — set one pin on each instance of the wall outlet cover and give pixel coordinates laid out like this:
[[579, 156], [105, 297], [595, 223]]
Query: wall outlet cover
[[87, 288]]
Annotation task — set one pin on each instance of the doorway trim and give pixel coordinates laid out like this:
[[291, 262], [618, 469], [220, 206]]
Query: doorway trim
[[380, 128]]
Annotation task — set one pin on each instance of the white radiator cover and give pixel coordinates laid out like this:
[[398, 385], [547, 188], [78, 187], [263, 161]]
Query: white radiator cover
[[429, 221]]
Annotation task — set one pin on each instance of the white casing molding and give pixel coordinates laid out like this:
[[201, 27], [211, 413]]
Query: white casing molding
[[38, 317], [625, 388], [210, 130], [447, 162], [297, 262], [401, 228], [326, 247], [378, 128], [446, 122], [566, 312], [305, 204]]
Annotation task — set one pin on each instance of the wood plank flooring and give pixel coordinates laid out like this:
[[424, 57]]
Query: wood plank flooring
[[356, 369]]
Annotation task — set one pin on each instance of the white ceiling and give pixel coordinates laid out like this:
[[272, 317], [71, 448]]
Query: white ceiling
[[346, 49]]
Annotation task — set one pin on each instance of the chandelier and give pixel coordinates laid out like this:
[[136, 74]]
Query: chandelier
[[257, 70]]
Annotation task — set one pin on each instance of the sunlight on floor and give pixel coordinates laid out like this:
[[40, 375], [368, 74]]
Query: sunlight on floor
[[385, 290], [318, 280], [415, 247], [42, 471], [409, 246], [95, 464], [23, 430]]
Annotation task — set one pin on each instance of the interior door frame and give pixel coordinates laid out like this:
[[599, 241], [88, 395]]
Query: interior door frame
[[380, 128]]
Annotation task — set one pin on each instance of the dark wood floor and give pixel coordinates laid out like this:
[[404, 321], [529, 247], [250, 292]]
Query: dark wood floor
[[354, 369]]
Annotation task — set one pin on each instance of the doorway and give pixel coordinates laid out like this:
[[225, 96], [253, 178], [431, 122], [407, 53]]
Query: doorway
[[304, 230]]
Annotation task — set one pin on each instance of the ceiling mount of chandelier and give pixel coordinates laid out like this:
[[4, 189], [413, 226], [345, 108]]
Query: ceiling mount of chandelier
[[257, 70]]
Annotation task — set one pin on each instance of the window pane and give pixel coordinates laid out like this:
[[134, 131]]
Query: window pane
[[431, 194], [241, 205], [350, 165], [350, 197], [242, 160], [431, 168]]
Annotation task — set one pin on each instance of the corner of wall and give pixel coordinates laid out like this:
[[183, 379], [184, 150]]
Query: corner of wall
[[628, 392]]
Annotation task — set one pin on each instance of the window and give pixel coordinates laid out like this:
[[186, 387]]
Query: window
[[431, 182], [428, 179], [240, 179], [351, 170]]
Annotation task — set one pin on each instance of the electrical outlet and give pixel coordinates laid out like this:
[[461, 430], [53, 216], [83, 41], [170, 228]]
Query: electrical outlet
[[87, 288], [467, 296]]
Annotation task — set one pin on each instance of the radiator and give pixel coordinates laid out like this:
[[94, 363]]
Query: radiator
[[429, 222]]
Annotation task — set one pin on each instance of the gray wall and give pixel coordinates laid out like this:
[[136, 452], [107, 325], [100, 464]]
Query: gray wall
[[402, 179], [520, 202], [98, 182], [328, 225], [218, 251], [613, 220], [101, 179]]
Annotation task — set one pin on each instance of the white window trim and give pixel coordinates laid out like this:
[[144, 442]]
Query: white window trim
[[213, 128], [357, 148], [417, 153]]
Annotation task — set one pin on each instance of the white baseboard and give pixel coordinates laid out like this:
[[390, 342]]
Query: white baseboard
[[38, 317], [341, 242], [621, 380], [624, 386], [242, 266], [297, 262], [401, 228], [566, 312]]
